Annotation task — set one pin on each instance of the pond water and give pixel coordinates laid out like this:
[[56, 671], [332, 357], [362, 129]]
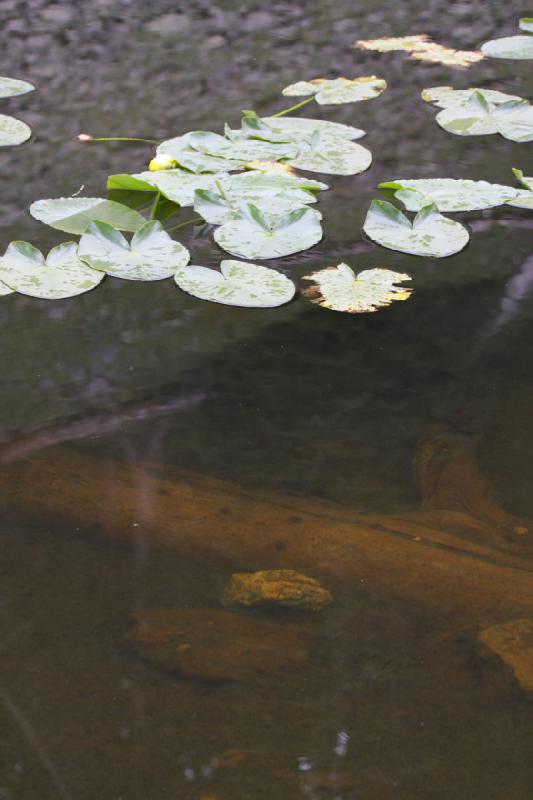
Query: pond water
[[324, 407]]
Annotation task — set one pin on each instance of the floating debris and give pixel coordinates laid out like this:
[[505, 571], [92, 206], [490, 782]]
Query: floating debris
[[276, 587]]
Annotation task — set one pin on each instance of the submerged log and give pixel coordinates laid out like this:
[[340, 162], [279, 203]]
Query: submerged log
[[455, 562]]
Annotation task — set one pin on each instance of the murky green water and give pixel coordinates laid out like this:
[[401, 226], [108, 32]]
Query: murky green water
[[296, 400]]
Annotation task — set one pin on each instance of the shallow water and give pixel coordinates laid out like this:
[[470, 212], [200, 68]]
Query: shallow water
[[297, 400]]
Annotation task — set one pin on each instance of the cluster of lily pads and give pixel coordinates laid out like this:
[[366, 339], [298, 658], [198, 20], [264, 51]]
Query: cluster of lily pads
[[244, 183], [12, 130]]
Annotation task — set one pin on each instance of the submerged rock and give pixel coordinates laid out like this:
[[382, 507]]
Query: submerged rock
[[512, 642], [276, 587], [216, 646]]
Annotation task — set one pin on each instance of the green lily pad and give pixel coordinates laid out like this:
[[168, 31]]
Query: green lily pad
[[526, 24], [237, 284], [523, 179], [129, 183], [191, 158], [9, 87], [524, 197], [478, 117], [23, 268], [4, 290], [446, 96], [252, 234], [339, 90], [516, 47], [179, 185], [151, 256], [13, 131], [217, 209], [294, 126], [430, 234], [449, 194], [339, 289], [242, 150], [73, 214], [331, 155]]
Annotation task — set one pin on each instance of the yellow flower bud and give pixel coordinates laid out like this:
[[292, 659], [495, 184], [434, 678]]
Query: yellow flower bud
[[162, 161]]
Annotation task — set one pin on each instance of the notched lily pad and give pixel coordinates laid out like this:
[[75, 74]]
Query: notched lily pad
[[62, 274], [340, 289], [430, 234], [479, 117], [10, 87], [449, 194], [73, 214], [524, 197], [446, 96], [338, 90], [151, 256], [294, 126], [13, 131], [252, 234], [179, 185], [237, 284], [331, 155]]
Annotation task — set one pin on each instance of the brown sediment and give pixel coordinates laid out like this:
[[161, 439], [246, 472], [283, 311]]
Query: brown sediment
[[458, 555]]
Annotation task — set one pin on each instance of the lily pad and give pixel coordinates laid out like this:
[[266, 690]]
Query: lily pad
[[331, 155], [73, 214], [523, 179], [9, 87], [62, 274], [254, 185], [430, 234], [339, 289], [252, 234], [479, 117], [446, 96], [237, 284], [294, 126], [179, 185], [241, 149], [448, 194], [218, 208], [435, 53], [516, 47], [339, 90], [152, 255], [524, 197], [526, 24], [4, 290], [193, 159], [387, 44], [13, 131]]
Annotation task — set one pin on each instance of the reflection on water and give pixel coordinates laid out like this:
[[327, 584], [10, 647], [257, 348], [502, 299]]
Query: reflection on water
[[395, 699]]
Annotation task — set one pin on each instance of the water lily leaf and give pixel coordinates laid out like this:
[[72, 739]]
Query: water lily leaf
[[4, 290], [252, 234], [73, 214], [195, 159], [449, 194], [389, 43], [526, 24], [151, 256], [524, 197], [129, 183], [270, 166], [446, 96], [241, 149], [294, 126], [331, 155], [9, 87], [339, 289], [13, 131], [516, 47], [435, 53], [430, 234], [339, 90], [525, 181], [479, 117], [179, 185], [62, 274], [237, 284]]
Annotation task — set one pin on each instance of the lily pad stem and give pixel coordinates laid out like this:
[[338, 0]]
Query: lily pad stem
[[153, 210], [187, 222], [85, 137], [293, 108]]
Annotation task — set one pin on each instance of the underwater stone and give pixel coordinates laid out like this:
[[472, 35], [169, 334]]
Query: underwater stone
[[277, 587], [217, 646], [512, 642]]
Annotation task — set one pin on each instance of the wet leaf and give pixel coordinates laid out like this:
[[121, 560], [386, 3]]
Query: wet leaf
[[331, 155], [293, 127], [526, 24], [13, 131], [129, 183], [430, 234], [434, 53], [446, 96], [525, 181], [479, 117], [9, 87], [339, 90], [197, 159], [151, 256], [516, 47], [339, 289], [73, 214], [237, 284], [4, 290], [62, 274], [179, 185], [449, 194], [389, 43], [524, 197], [253, 234]]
